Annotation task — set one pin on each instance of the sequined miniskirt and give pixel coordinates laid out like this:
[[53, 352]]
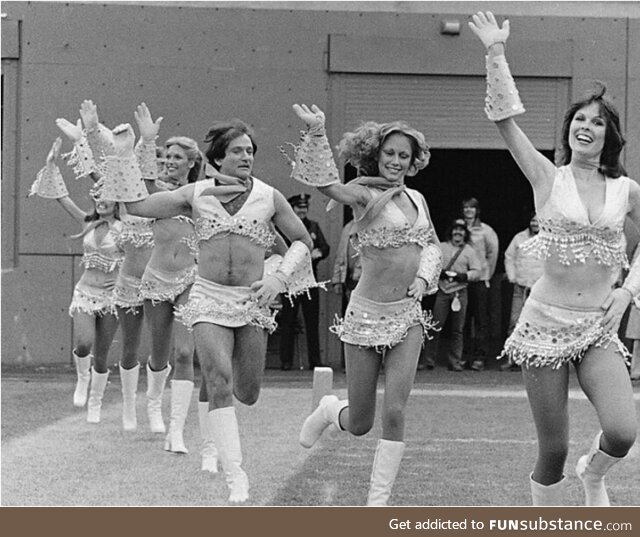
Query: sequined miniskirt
[[548, 335], [381, 325], [224, 305]]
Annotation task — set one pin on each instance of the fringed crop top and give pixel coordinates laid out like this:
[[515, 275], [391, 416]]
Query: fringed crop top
[[136, 231], [253, 220], [106, 256], [565, 229], [391, 229]]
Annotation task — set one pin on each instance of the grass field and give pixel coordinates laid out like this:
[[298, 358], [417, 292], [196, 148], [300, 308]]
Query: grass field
[[470, 442]]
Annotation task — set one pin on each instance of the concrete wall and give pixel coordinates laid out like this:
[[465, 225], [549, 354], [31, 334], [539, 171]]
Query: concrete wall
[[193, 63]]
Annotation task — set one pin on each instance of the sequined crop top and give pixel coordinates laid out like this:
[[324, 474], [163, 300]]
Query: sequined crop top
[[136, 231], [251, 221], [565, 228], [107, 255], [391, 229]]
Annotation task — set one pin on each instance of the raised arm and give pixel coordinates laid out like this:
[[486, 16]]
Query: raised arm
[[314, 164], [145, 149], [50, 184], [503, 103], [81, 158]]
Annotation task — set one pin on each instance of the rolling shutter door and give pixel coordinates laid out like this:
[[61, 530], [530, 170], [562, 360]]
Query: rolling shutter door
[[448, 109]]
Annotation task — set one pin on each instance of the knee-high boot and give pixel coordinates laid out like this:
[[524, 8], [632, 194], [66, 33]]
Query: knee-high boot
[[96, 391], [209, 452], [224, 423], [129, 385], [83, 367], [591, 469], [548, 494], [327, 413], [155, 388], [385, 469], [181, 391]]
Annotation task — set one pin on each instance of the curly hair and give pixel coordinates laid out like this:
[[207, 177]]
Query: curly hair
[[361, 147], [610, 164]]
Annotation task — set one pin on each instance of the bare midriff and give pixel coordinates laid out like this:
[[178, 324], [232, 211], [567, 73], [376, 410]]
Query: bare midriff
[[578, 285], [387, 273], [171, 253]]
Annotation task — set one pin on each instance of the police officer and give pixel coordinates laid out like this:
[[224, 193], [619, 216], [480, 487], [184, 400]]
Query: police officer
[[310, 304]]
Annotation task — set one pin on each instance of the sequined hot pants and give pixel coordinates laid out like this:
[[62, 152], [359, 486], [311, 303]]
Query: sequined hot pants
[[162, 286], [380, 325], [548, 335], [92, 300], [224, 305], [128, 292]]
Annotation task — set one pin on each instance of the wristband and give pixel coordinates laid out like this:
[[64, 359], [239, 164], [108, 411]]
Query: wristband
[[49, 184], [502, 100], [430, 267], [145, 152], [313, 163], [122, 180]]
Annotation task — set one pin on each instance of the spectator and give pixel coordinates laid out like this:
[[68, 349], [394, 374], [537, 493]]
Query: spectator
[[461, 265], [485, 243], [310, 302], [523, 268]]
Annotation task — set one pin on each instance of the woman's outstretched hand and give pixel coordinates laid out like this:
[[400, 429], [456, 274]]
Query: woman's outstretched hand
[[89, 114], [614, 307], [52, 156], [417, 289], [148, 128], [71, 131], [486, 28], [311, 116]]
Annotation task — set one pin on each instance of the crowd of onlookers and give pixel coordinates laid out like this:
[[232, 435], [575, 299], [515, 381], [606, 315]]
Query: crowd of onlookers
[[461, 307]]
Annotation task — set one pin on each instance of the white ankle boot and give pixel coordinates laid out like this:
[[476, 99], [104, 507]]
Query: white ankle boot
[[385, 469], [328, 412], [96, 391], [83, 367], [181, 391], [224, 424], [591, 469], [129, 384], [209, 451], [553, 494], [155, 388]]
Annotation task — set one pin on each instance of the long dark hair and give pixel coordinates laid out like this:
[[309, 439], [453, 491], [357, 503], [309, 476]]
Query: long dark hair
[[221, 134], [610, 164]]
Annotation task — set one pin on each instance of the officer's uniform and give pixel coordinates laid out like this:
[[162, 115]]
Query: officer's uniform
[[310, 305]]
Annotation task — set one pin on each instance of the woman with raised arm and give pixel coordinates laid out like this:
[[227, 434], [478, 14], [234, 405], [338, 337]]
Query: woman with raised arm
[[94, 315], [401, 260], [171, 268], [135, 239], [573, 312]]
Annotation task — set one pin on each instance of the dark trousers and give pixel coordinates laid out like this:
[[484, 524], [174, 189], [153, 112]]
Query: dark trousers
[[441, 312], [478, 314], [288, 316]]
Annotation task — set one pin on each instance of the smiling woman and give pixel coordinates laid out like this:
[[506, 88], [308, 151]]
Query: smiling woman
[[574, 309], [401, 261]]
